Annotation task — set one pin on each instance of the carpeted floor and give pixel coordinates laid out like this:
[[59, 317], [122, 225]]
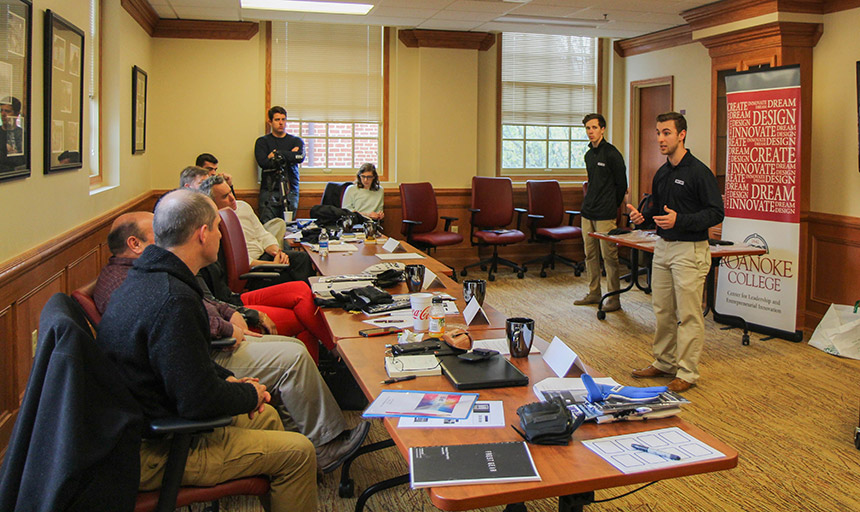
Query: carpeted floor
[[789, 409]]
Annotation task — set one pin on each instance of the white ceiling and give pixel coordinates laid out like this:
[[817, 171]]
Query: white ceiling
[[627, 18]]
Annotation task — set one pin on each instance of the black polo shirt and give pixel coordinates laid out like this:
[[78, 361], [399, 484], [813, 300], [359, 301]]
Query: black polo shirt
[[607, 182], [691, 190]]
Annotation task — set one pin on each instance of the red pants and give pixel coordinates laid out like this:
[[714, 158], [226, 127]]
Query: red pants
[[291, 307]]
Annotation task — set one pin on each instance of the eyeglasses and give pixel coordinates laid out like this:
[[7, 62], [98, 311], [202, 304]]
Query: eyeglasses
[[366, 176]]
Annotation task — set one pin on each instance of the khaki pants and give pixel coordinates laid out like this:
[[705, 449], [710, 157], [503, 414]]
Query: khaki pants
[[246, 448], [594, 248], [677, 280]]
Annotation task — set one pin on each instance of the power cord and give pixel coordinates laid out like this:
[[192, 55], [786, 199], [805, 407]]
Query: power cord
[[626, 493]]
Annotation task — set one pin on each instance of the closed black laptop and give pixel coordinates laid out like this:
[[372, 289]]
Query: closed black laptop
[[496, 372]]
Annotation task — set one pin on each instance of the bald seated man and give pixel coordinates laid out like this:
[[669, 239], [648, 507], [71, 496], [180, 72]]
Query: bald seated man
[[282, 364], [156, 331]]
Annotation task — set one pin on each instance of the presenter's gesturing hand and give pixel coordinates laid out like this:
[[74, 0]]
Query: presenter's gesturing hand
[[666, 221], [635, 216]]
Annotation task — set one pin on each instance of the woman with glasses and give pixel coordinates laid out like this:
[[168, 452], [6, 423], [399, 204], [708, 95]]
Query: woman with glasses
[[365, 196]]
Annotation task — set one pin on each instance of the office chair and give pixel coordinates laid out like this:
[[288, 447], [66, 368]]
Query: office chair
[[546, 219], [235, 255], [84, 297], [492, 210], [87, 458], [333, 193], [420, 218]]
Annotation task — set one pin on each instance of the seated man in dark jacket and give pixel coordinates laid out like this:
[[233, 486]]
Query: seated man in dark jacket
[[157, 332]]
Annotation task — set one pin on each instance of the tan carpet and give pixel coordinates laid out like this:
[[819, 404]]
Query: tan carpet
[[790, 410]]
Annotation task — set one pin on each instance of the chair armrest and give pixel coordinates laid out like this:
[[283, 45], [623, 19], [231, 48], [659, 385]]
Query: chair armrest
[[448, 221], [260, 275], [472, 226], [176, 425], [533, 218], [269, 267], [222, 343], [573, 214], [410, 225], [520, 212]]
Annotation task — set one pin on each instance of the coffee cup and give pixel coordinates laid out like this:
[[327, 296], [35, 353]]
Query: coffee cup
[[520, 333], [421, 303], [474, 288], [414, 277]]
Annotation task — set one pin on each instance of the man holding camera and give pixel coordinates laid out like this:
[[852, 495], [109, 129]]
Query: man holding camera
[[278, 154]]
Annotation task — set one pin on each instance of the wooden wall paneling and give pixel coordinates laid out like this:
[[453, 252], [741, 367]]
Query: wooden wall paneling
[[27, 313], [8, 394], [834, 246], [104, 255], [84, 270]]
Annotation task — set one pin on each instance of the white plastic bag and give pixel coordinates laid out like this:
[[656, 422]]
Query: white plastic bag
[[838, 333]]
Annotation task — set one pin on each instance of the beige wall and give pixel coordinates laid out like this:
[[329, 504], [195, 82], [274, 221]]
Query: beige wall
[[41, 207], [835, 173]]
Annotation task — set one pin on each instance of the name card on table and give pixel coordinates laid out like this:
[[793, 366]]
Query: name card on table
[[474, 313], [562, 358], [430, 279], [391, 245]]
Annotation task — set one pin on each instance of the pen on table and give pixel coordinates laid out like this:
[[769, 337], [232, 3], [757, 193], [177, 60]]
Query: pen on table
[[397, 379], [641, 448]]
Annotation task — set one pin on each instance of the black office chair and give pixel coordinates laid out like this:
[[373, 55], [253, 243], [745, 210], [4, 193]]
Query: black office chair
[[76, 443]]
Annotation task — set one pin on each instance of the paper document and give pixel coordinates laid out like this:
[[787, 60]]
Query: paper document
[[619, 451], [570, 385], [400, 256], [484, 414], [500, 345], [400, 321], [431, 404]]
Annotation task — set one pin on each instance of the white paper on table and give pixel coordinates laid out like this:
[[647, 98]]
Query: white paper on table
[[471, 313], [430, 278], [399, 256], [437, 404], [485, 413], [500, 345], [390, 245], [294, 236], [617, 450], [562, 358], [400, 321], [572, 385]]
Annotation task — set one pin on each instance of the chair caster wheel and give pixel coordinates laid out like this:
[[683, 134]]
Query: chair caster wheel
[[491, 277], [857, 439], [520, 275], [601, 315], [516, 507], [745, 340], [346, 490], [543, 273], [483, 267], [577, 272], [463, 272]]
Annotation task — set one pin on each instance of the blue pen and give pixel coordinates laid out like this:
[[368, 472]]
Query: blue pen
[[646, 449]]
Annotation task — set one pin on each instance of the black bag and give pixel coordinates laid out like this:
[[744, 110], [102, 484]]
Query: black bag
[[548, 422], [342, 384]]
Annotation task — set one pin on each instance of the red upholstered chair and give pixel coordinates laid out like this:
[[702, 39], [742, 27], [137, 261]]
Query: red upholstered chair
[[492, 211], [235, 254], [546, 219], [420, 218], [84, 297]]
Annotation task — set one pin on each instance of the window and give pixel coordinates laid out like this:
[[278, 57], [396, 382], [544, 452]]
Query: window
[[549, 83], [330, 80], [93, 83]]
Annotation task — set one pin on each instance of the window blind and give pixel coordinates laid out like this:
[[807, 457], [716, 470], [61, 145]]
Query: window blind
[[326, 72], [548, 79]]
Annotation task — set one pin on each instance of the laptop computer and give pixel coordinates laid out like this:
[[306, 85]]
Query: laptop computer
[[495, 372]]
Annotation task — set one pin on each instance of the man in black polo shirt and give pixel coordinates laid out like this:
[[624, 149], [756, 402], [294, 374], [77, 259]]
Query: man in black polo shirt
[[686, 202], [607, 184], [292, 150]]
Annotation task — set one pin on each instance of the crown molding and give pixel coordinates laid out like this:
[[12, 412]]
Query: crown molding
[[669, 38], [143, 14], [420, 38], [148, 19], [771, 35]]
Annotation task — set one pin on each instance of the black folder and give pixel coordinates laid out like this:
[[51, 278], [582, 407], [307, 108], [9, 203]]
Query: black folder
[[495, 372]]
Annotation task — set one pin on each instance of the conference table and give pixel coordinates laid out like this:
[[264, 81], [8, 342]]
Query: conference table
[[645, 240], [572, 473]]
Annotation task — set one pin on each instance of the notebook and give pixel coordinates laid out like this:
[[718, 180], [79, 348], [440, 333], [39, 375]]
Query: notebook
[[496, 372]]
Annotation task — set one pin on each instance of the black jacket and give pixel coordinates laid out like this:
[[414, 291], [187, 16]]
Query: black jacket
[[156, 330], [607, 182], [692, 191], [76, 442]]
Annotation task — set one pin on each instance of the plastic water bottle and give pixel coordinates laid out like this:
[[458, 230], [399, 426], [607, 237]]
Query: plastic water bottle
[[323, 241], [437, 318]]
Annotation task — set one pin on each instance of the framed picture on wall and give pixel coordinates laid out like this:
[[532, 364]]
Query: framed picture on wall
[[138, 110], [15, 63], [64, 94]]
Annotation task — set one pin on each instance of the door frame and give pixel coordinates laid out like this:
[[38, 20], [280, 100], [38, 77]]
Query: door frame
[[635, 89]]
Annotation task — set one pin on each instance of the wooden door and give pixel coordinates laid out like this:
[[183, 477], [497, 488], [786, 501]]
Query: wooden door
[[653, 100]]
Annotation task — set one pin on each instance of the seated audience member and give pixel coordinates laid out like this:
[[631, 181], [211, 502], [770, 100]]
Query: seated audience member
[[192, 176], [365, 196], [156, 331], [281, 364], [263, 247], [277, 227]]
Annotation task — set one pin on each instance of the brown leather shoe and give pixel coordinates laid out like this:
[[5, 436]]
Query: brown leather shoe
[[679, 385], [588, 299], [648, 372]]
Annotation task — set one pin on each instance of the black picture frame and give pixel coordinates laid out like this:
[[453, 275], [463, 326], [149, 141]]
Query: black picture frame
[[64, 94], [139, 86], [16, 62]]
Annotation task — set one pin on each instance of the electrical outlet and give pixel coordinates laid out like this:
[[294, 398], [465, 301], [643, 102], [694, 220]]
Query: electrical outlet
[[34, 339], [455, 229]]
